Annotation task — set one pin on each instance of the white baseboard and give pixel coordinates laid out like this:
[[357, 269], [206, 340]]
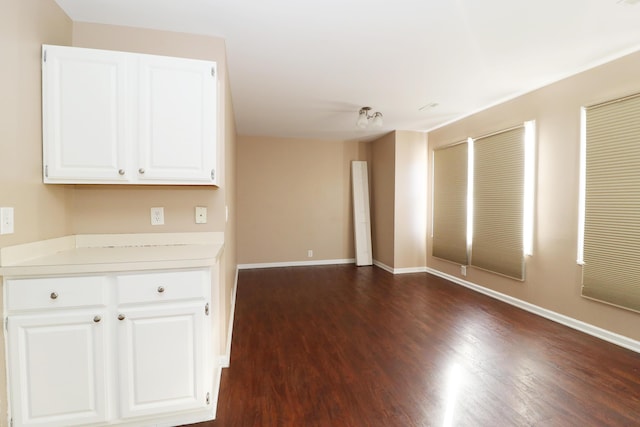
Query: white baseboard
[[385, 267], [399, 270], [579, 325], [225, 359], [296, 263], [409, 270]]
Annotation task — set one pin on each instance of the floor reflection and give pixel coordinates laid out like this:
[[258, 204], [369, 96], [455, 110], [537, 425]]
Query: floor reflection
[[454, 383]]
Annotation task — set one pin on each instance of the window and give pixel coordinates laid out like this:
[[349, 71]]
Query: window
[[450, 169], [483, 201], [609, 245], [498, 203]]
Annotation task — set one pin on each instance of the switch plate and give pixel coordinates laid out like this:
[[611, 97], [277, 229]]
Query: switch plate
[[201, 215], [157, 216], [6, 220]]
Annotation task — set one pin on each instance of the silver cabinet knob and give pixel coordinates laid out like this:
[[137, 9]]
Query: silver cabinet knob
[[120, 316], [120, 171], [53, 295], [97, 319], [160, 289], [141, 171]]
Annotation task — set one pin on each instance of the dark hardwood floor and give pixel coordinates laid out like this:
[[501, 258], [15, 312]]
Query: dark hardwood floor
[[349, 346]]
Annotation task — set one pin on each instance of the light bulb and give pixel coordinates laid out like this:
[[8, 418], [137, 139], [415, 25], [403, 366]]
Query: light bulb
[[377, 119], [362, 120]]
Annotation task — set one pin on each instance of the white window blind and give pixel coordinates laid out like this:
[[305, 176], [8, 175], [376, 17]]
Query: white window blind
[[611, 271], [450, 203], [498, 203]]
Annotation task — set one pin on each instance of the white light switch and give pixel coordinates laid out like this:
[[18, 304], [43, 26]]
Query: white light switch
[[6, 220], [201, 215]]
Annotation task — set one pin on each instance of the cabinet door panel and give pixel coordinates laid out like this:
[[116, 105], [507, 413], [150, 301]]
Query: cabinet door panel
[[84, 113], [177, 119], [57, 374], [162, 354]]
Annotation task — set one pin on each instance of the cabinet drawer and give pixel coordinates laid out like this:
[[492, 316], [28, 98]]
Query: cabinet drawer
[[56, 292], [164, 286]]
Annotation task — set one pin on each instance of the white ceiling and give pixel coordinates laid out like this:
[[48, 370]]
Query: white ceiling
[[302, 68]]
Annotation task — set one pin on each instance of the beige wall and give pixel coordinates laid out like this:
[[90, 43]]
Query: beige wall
[[295, 195], [410, 200], [382, 177], [230, 261], [125, 209], [41, 211], [552, 276], [398, 199]]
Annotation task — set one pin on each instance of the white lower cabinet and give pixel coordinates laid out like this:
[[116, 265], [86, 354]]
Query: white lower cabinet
[[162, 359], [58, 368], [128, 348]]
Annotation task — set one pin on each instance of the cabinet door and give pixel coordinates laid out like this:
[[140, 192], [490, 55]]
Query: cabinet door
[[162, 355], [177, 120], [85, 111], [57, 368]]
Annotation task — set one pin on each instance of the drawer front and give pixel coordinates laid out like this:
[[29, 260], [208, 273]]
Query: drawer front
[[56, 292], [161, 286]]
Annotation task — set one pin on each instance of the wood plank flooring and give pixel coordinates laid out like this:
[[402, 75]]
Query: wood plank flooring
[[357, 346]]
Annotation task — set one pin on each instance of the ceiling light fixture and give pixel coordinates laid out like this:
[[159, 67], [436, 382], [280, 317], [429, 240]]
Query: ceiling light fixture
[[364, 117]]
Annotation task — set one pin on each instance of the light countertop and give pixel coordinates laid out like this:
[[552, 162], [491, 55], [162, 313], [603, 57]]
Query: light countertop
[[86, 254]]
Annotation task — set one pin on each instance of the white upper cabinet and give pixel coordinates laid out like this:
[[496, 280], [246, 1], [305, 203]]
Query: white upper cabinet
[[177, 120], [122, 118], [86, 123]]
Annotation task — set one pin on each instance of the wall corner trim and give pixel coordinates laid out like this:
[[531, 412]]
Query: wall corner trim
[[225, 359], [579, 325]]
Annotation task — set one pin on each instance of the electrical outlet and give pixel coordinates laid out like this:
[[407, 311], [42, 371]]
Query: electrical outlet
[[201, 215], [157, 216], [6, 220], [310, 253], [463, 270]]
